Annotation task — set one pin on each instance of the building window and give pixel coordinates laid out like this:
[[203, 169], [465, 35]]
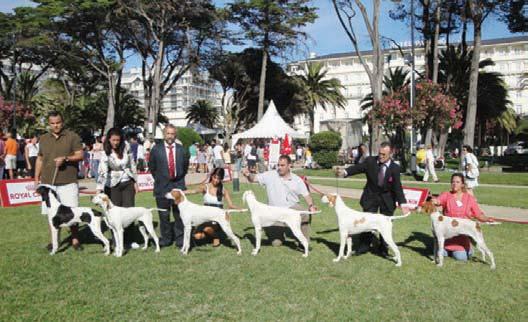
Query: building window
[[518, 109]]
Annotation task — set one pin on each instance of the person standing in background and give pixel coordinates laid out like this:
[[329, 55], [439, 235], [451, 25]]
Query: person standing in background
[[471, 168], [10, 154], [430, 164], [193, 157], [2, 154], [97, 152], [31, 154]]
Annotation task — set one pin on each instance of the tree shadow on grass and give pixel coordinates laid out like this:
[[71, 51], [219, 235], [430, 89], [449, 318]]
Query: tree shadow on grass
[[426, 240]]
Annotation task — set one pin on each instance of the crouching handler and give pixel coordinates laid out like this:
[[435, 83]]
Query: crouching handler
[[214, 195], [283, 189]]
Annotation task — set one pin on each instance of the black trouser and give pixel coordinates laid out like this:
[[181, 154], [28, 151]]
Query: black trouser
[[366, 238], [170, 232], [32, 161], [123, 195]]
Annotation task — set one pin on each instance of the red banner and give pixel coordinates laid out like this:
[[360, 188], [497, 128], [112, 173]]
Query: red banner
[[18, 192]]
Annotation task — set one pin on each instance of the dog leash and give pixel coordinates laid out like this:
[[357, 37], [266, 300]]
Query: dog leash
[[54, 175]]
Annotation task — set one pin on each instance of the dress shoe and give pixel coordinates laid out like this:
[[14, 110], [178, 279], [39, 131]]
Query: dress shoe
[[165, 244]]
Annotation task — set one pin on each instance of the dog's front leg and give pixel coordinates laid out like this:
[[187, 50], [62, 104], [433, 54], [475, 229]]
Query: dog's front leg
[[440, 251], [435, 248], [349, 247], [258, 240], [54, 239], [342, 242], [96, 230]]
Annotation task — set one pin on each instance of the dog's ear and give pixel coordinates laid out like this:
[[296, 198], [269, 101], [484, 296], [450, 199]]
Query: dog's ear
[[177, 195]]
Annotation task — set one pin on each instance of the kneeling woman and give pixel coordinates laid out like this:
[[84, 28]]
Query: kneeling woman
[[460, 204], [214, 195]]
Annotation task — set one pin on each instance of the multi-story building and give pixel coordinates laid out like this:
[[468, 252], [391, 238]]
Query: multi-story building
[[509, 54], [187, 90]]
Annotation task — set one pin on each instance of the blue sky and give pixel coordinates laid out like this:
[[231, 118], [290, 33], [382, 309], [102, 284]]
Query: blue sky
[[326, 35]]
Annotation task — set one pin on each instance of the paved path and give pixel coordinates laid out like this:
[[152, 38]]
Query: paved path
[[421, 182], [493, 211]]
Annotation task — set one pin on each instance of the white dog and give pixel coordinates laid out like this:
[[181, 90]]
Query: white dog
[[353, 222], [263, 215], [448, 227], [118, 218], [63, 216], [193, 215]]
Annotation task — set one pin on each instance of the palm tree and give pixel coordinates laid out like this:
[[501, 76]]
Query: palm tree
[[320, 91], [397, 79], [202, 112], [492, 94]]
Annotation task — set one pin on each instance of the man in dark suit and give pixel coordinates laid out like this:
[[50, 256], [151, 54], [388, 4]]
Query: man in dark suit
[[168, 165], [382, 190]]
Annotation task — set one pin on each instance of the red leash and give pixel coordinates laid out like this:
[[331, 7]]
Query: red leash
[[509, 220]]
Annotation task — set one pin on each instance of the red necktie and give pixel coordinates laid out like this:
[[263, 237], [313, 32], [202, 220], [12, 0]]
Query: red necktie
[[172, 172]]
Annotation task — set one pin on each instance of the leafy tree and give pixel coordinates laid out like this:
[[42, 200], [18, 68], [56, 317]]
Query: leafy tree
[[394, 81], [325, 146], [514, 15], [172, 37], [202, 112], [188, 136], [320, 90], [274, 26]]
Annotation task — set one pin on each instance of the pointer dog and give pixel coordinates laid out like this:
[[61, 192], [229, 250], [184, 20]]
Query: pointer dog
[[353, 222], [263, 215], [193, 215], [60, 215], [118, 218]]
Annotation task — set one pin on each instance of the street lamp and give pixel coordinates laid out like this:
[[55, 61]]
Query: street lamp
[[14, 83]]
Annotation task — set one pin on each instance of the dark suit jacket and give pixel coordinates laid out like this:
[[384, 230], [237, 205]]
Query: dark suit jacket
[[388, 194], [159, 167]]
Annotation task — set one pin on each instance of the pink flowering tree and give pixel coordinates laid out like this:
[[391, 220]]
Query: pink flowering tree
[[434, 109], [24, 116]]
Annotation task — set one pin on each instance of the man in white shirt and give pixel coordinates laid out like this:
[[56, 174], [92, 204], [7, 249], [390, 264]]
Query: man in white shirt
[[429, 164], [218, 155], [283, 189]]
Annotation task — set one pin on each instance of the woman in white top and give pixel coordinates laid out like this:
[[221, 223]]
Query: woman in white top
[[471, 168], [117, 174], [214, 195], [31, 154]]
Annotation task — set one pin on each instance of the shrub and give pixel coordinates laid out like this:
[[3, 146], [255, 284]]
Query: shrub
[[325, 147], [188, 136]]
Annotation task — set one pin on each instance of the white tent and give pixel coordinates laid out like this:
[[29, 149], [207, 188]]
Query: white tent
[[270, 125]]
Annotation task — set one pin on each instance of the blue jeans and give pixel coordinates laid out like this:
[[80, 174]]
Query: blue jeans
[[460, 255], [94, 169]]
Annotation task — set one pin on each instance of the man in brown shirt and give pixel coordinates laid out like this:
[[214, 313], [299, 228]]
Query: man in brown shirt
[[57, 164]]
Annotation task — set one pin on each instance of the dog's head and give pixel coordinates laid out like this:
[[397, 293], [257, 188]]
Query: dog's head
[[102, 200], [247, 194], [330, 199], [428, 206], [45, 191], [177, 195]]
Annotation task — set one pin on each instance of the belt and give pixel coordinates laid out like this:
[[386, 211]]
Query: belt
[[214, 205]]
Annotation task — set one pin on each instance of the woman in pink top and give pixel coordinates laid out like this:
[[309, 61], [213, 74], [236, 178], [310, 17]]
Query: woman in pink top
[[459, 203]]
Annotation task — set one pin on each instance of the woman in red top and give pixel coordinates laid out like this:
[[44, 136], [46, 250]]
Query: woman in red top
[[460, 204]]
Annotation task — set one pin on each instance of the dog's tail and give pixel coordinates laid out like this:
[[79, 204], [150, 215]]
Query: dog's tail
[[392, 218], [158, 209], [228, 211], [306, 212]]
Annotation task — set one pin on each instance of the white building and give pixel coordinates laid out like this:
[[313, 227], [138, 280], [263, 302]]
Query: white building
[[509, 54], [187, 90]]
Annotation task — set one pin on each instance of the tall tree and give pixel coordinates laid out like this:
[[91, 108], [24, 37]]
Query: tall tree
[[94, 27], [171, 37], [274, 26], [514, 14], [478, 11], [320, 91], [346, 11]]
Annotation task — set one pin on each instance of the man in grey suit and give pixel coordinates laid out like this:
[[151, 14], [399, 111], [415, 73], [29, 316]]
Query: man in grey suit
[[168, 165]]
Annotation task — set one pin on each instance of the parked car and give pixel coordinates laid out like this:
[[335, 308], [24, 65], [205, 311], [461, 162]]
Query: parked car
[[517, 148]]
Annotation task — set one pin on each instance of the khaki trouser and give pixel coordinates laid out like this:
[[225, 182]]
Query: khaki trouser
[[280, 230]]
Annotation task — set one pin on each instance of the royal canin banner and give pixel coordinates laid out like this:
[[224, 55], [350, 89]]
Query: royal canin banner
[[18, 192], [415, 196], [145, 181]]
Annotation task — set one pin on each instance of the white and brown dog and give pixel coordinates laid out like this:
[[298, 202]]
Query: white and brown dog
[[60, 215], [263, 215], [352, 222], [118, 218], [194, 215], [448, 227]]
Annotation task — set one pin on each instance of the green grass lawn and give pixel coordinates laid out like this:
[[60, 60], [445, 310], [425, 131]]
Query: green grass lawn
[[504, 178], [497, 196], [278, 284]]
